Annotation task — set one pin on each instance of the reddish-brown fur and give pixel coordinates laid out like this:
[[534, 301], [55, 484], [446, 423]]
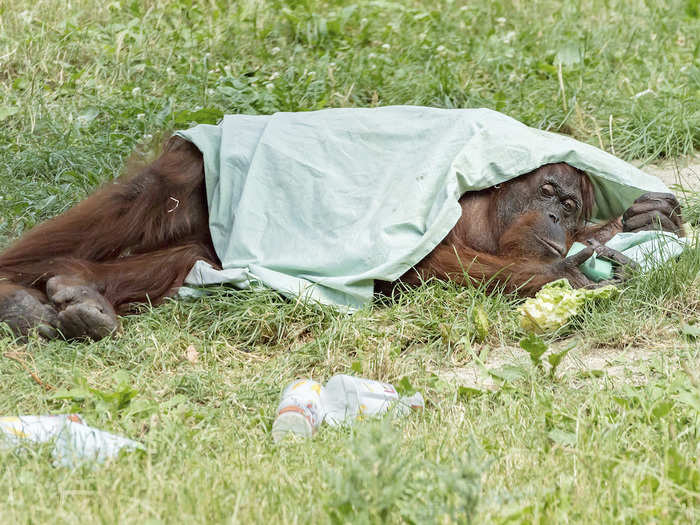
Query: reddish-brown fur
[[135, 241]]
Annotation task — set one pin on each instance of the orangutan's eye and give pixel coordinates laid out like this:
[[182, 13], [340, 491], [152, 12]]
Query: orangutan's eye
[[547, 190], [569, 205]]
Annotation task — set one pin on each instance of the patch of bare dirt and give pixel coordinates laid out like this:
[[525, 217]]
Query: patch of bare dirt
[[629, 365], [683, 172]]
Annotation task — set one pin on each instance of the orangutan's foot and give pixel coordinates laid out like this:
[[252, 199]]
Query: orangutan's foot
[[24, 311], [82, 312]]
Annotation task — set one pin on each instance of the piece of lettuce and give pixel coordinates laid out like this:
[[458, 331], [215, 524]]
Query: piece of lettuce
[[556, 303]]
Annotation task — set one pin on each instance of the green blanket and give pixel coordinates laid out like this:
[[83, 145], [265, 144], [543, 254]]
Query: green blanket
[[320, 204]]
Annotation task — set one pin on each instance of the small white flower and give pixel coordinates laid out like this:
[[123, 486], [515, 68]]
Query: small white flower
[[440, 49], [274, 75], [269, 85], [274, 50], [386, 46], [371, 56], [500, 20], [140, 116], [147, 137], [136, 91]]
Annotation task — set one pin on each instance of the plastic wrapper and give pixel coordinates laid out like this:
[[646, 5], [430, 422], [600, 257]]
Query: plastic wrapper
[[407, 404], [18, 430], [75, 442]]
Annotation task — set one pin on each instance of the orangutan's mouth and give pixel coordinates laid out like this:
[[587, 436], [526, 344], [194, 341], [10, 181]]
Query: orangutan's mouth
[[557, 249]]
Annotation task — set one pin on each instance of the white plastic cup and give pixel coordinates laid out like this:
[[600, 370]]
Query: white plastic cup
[[300, 410]]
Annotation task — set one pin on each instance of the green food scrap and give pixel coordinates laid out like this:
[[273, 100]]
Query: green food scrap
[[556, 303], [481, 322]]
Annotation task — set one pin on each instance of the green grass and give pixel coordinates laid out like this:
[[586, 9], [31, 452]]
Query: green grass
[[83, 84]]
